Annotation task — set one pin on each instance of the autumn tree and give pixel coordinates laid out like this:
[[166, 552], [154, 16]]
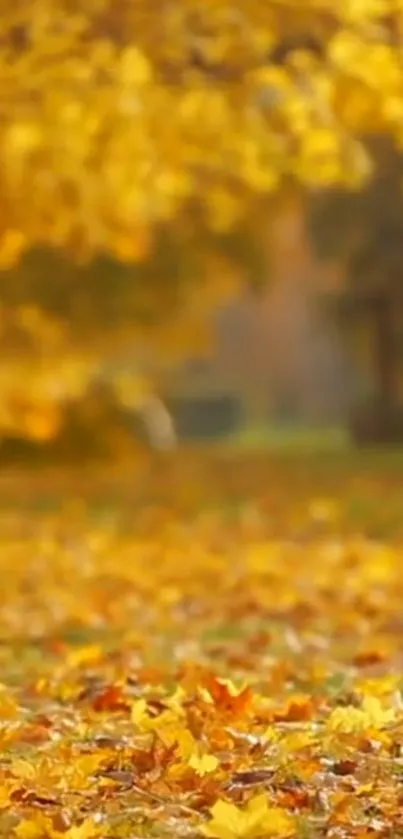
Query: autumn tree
[[148, 134], [365, 232]]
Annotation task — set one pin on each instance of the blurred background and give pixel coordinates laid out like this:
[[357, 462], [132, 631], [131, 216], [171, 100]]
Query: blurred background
[[306, 345], [125, 323], [305, 339]]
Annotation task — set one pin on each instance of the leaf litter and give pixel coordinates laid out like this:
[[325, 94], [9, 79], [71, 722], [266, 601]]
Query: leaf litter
[[173, 671]]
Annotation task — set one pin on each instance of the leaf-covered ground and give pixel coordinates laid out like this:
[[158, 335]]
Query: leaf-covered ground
[[215, 649]]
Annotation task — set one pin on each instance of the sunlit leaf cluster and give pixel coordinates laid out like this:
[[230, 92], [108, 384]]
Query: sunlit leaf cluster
[[117, 116], [65, 328]]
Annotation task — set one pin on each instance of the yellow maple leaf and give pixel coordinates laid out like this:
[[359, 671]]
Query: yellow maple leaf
[[256, 820], [166, 725], [203, 764], [86, 765], [83, 655], [8, 707], [233, 689], [205, 695], [175, 701], [42, 828], [297, 741], [271, 735], [383, 686], [87, 830], [31, 829], [177, 734], [23, 769], [145, 722], [351, 720], [139, 714], [5, 793]]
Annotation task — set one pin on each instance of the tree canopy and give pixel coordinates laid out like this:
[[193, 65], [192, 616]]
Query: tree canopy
[[143, 146], [117, 115]]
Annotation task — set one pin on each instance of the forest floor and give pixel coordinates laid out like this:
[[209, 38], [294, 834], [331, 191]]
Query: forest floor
[[209, 644]]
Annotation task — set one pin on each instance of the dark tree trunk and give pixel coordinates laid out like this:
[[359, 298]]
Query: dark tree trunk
[[380, 420], [385, 351]]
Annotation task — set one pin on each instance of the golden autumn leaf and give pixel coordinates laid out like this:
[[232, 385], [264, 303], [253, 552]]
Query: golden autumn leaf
[[257, 819], [86, 765], [226, 695], [5, 796], [168, 725], [22, 769], [350, 719], [203, 764], [383, 686], [298, 740], [12, 245], [176, 700], [42, 827], [140, 716], [83, 655], [174, 734], [8, 705], [32, 829], [357, 10]]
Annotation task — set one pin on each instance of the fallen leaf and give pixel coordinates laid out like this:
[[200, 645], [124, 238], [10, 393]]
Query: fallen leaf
[[204, 764], [257, 819]]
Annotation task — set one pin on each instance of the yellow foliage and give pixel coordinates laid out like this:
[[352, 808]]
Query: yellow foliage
[[203, 764], [371, 715], [185, 745], [167, 725], [42, 828], [5, 793], [140, 716], [381, 687], [123, 123], [8, 706], [84, 655], [131, 389], [23, 769], [121, 709], [83, 767], [257, 819], [11, 247], [118, 117]]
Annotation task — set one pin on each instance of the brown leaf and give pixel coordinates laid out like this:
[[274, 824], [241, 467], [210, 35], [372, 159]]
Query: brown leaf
[[254, 777]]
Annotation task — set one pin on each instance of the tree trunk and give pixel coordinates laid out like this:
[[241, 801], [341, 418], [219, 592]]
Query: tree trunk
[[380, 420], [385, 352], [159, 424]]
